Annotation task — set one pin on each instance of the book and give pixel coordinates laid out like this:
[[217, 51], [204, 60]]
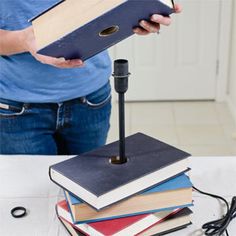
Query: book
[[81, 28], [174, 222], [74, 232], [175, 193], [70, 229], [116, 227], [92, 178]]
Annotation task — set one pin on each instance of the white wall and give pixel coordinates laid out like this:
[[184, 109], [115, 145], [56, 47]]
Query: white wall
[[232, 66]]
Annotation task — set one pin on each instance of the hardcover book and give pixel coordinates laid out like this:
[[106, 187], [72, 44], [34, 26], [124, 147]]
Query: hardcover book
[[74, 232], [174, 222], [124, 226], [82, 28], [175, 193], [92, 178], [70, 229]]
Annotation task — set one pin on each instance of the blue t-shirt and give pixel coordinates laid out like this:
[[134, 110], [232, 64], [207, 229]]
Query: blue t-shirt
[[24, 79]]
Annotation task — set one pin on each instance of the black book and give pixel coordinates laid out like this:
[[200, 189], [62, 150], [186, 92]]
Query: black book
[[92, 178], [176, 222], [172, 230]]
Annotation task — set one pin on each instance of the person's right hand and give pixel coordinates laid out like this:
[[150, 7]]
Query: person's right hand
[[30, 46]]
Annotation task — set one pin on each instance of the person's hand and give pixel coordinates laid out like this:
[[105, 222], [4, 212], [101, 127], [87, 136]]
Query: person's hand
[[30, 46], [153, 26]]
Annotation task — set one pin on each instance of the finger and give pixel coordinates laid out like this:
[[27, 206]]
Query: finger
[[163, 20], [177, 8], [150, 27], [140, 31], [75, 63], [59, 62], [48, 60], [70, 64]]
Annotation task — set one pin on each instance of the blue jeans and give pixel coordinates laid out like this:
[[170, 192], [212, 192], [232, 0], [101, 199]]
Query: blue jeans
[[67, 128]]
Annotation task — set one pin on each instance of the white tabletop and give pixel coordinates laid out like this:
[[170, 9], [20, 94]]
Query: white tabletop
[[24, 181]]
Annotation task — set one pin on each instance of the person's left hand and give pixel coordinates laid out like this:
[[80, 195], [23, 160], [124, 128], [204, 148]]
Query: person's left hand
[[153, 26]]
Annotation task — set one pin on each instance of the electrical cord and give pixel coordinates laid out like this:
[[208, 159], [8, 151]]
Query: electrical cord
[[218, 227]]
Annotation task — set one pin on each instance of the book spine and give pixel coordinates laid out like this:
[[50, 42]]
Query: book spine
[[68, 204]]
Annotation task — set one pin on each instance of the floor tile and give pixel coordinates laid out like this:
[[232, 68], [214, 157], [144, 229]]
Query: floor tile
[[165, 133], [201, 135], [208, 150], [202, 128], [230, 130], [224, 114], [152, 113], [234, 151], [230, 134], [195, 113]]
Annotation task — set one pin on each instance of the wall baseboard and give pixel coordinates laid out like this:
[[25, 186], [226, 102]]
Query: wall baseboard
[[232, 107]]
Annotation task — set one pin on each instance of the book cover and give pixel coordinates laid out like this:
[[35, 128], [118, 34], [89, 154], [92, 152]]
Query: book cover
[[181, 227], [92, 178], [124, 226], [70, 229], [154, 200], [173, 223], [81, 28], [179, 182]]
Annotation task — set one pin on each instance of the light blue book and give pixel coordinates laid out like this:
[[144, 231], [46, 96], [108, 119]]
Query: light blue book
[[178, 188]]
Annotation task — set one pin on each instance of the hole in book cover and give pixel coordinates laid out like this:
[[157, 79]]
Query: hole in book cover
[[109, 31], [115, 160]]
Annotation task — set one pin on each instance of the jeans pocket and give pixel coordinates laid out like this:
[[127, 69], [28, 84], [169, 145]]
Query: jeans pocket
[[11, 109], [99, 98]]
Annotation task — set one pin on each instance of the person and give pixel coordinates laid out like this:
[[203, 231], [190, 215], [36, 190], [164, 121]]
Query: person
[[52, 106]]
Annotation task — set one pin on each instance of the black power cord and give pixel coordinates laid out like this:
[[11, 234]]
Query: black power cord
[[218, 227]]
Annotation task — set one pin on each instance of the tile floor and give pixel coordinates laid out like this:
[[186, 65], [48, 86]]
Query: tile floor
[[201, 128]]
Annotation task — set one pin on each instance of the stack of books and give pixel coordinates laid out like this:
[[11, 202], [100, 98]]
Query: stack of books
[[149, 195]]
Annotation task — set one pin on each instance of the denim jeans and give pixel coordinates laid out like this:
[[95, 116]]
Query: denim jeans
[[67, 128]]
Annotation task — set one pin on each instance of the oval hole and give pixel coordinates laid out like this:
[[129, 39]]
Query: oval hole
[[109, 31]]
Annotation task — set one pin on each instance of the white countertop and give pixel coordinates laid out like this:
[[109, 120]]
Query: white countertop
[[24, 181]]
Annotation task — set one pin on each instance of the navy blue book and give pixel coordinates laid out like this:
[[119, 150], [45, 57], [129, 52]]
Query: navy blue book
[[82, 28], [92, 178]]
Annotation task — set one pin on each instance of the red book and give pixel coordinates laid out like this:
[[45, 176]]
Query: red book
[[124, 226]]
